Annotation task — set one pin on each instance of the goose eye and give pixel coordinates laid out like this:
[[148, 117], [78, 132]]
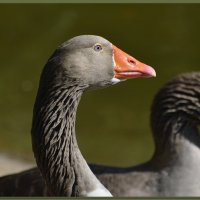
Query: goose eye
[[98, 47]]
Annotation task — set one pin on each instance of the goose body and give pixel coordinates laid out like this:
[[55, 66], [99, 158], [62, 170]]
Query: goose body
[[82, 63]]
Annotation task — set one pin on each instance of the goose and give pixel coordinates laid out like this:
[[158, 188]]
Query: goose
[[174, 168], [83, 63]]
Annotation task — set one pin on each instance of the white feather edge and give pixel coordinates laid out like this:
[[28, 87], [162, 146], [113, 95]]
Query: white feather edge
[[114, 80], [99, 192]]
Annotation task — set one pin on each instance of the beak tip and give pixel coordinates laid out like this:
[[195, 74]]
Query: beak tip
[[152, 72]]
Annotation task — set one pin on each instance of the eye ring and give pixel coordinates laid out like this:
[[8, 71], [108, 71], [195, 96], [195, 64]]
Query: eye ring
[[98, 47]]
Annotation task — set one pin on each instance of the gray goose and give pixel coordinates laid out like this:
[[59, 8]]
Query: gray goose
[[82, 63], [173, 170]]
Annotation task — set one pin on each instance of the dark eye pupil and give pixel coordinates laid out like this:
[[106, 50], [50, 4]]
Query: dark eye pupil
[[98, 48]]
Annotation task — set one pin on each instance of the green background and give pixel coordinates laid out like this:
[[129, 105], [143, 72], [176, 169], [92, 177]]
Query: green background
[[113, 124]]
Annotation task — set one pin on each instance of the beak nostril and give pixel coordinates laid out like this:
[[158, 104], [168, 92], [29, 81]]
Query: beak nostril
[[131, 61]]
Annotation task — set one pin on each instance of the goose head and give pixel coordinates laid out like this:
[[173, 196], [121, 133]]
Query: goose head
[[94, 61]]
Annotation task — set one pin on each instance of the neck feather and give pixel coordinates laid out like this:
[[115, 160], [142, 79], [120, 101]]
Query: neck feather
[[175, 117], [54, 142]]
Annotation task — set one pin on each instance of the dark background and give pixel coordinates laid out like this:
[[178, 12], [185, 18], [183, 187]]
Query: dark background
[[113, 124]]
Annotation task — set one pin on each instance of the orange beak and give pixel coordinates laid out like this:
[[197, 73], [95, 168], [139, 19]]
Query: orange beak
[[128, 67]]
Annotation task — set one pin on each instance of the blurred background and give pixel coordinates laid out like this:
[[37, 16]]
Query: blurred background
[[112, 124]]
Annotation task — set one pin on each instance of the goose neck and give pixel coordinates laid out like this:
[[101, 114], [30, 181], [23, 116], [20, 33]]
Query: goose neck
[[55, 146], [178, 146]]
